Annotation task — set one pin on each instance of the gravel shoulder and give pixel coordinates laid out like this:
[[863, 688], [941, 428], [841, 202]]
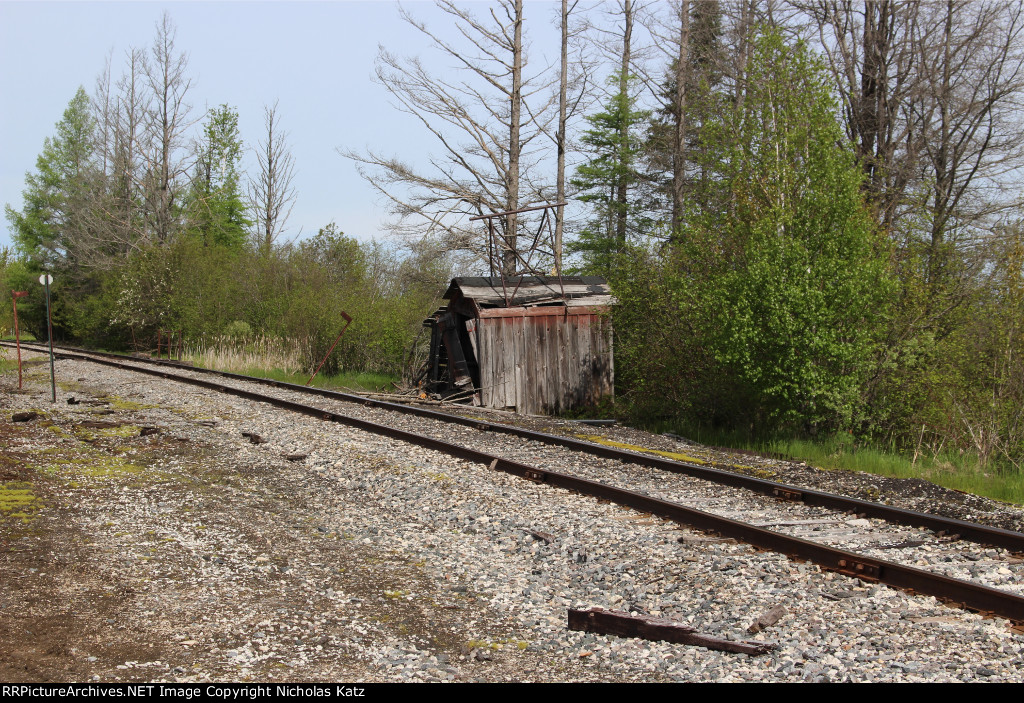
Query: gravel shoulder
[[186, 552]]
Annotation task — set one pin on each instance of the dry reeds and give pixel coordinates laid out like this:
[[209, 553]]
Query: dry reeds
[[240, 354]]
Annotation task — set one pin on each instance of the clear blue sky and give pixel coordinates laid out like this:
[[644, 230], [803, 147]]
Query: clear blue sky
[[315, 58]]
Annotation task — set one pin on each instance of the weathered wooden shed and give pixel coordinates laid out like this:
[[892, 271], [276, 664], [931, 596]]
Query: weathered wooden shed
[[535, 344]]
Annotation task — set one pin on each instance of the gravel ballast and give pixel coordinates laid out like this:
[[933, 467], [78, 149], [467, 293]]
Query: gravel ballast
[[193, 553]]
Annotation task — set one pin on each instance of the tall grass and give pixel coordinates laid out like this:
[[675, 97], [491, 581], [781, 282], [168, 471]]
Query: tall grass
[[274, 358], [241, 355]]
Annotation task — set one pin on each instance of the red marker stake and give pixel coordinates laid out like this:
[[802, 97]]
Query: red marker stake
[[15, 294]]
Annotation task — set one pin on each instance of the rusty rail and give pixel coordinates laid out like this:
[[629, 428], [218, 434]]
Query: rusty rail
[[969, 595]]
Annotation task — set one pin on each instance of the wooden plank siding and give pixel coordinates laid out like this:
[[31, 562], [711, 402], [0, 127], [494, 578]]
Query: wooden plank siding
[[541, 344], [544, 359]]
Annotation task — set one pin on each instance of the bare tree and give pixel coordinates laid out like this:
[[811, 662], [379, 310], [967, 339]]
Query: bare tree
[[485, 164], [168, 121], [271, 194], [127, 168], [967, 108], [876, 67], [931, 94], [671, 32], [110, 226], [625, 64]]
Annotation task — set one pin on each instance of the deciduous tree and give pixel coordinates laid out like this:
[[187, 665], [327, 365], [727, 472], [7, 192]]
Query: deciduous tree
[[215, 207], [791, 280], [271, 193], [55, 218], [168, 119], [482, 123]]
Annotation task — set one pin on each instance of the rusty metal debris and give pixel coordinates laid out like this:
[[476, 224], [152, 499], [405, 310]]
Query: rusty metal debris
[[542, 536], [254, 438], [767, 619], [348, 321], [610, 622]]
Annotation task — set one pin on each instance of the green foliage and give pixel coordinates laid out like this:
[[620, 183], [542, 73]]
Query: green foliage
[[239, 329], [215, 206], [14, 275], [56, 197], [799, 282], [611, 183], [297, 293], [770, 310], [977, 382]]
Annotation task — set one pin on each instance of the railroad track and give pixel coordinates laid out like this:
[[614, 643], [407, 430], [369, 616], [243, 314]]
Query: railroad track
[[913, 551]]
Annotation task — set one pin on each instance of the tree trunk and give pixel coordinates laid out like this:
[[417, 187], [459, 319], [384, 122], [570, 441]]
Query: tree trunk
[[509, 263], [621, 190], [563, 89], [679, 138]]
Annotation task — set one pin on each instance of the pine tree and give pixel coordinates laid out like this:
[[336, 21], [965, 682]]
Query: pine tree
[[674, 135], [53, 222], [612, 182]]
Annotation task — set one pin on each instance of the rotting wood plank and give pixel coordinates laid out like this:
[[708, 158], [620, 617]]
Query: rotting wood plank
[[563, 366], [537, 346], [610, 622], [547, 311], [486, 380], [533, 377], [572, 380], [523, 396], [559, 365], [484, 361], [602, 326], [607, 368], [513, 360], [587, 391], [506, 354], [553, 361], [492, 350], [501, 331]]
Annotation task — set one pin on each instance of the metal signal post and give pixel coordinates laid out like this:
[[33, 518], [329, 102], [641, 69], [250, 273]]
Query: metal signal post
[[46, 279]]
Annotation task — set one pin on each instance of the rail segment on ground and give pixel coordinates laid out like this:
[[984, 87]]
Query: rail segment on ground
[[970, 595]]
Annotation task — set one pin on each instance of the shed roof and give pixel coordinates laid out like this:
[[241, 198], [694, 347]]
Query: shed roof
[[571, 291]]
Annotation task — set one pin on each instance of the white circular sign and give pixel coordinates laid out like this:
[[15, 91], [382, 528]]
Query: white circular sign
[[46, 279]]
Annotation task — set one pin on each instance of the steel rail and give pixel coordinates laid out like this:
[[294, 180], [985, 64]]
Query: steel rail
[[970, 531], [969, 595]]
